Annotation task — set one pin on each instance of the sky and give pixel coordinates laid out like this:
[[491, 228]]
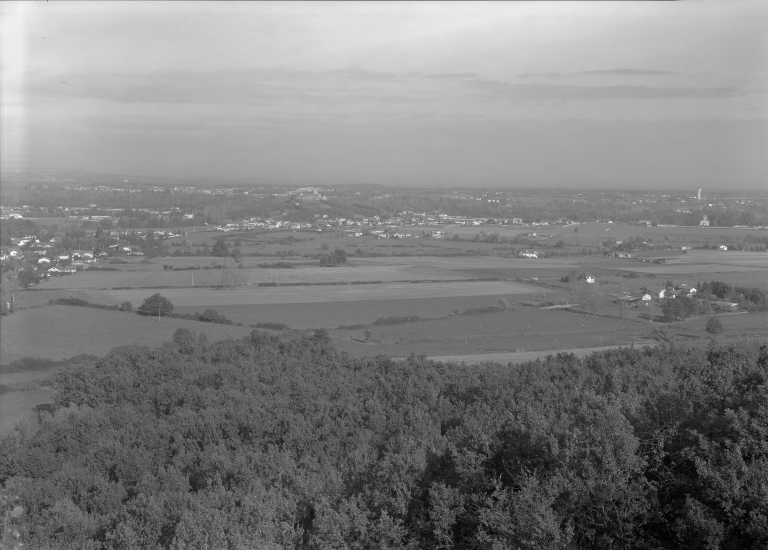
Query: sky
[[503, 94]]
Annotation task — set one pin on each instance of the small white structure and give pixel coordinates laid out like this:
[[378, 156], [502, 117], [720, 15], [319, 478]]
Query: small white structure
[[528, 254], [590, 279], [722, 247], [704, 221]]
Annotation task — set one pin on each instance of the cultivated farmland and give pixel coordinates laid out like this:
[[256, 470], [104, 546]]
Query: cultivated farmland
[[59, 332], [522, 328], [252, 276], [358, 312], [311, 294]]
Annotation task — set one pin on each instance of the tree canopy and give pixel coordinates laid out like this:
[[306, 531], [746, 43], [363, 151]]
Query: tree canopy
[[156, 305], [272, 443]]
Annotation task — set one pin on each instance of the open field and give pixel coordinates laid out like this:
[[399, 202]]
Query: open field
[[522, 328], [694, 270], [520, 357], [727, 257], [58, 332], [333, 314], [312, 294], [254, 276]]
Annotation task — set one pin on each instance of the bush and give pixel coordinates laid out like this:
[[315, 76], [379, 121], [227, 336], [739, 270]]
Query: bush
[[77, 302], [277, 265], [381, 321], [156, 305], [714, 326], [126, 306], [272, 326]]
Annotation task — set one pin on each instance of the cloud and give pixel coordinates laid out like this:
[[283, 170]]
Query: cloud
[[535, 75], [451, 76], [502, 89], [629, 72], [607, 72]]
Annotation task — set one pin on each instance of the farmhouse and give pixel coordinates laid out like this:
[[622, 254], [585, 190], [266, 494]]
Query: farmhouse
[[527, 254], [646, 299], [722, 247]]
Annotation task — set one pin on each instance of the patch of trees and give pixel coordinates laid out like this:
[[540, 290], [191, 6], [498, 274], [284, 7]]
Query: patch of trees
[[79, 302], [383, 321], [276, 265], [681, 307], [13, 228], [152, 246], [156, 305], [287, 442], [751, 299], [273, 326], [220, 249], [336, 258]]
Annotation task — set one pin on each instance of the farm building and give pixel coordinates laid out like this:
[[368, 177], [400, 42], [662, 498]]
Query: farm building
[[704, 222], [527, 254]]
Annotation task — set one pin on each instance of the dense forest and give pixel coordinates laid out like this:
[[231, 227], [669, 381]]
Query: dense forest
[[288, 443]]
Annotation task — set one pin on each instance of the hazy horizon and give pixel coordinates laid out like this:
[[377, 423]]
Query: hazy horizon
[[596, 95]]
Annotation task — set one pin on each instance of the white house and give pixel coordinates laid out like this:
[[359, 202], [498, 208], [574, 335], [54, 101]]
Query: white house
[[527, 254], [64, 257], [704, 222], [647, 299], [590, 279], [44, 261], [662, 293], [722, 247]]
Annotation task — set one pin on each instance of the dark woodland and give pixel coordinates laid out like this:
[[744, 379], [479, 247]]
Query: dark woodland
[[288, 443]]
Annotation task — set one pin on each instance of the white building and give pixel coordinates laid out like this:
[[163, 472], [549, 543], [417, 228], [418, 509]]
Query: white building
[[704, 222]]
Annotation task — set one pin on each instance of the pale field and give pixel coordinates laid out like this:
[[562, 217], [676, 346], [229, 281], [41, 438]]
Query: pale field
[[727, 257], [157, 278], [521, 357], [312, 294], [691, 268], [59, 332], [521, 328], [331, 315], [471, 263]]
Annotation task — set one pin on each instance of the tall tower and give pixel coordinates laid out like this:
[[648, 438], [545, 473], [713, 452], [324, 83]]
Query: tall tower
[[699, 193]]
